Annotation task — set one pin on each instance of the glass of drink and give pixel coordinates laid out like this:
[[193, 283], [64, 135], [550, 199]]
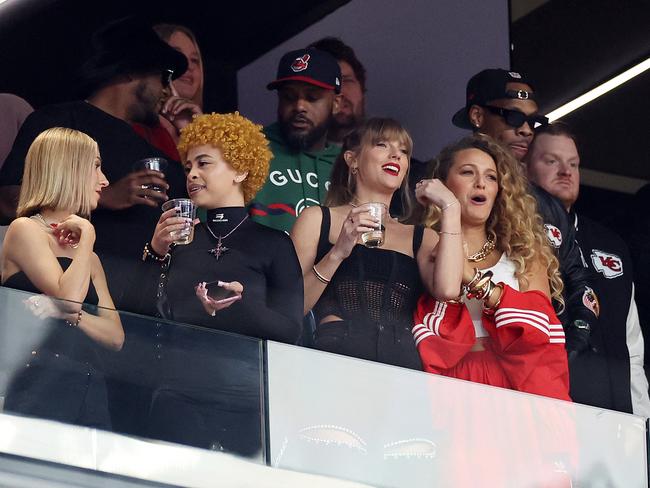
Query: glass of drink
[[375, 238], [156, 164], [184, 208]]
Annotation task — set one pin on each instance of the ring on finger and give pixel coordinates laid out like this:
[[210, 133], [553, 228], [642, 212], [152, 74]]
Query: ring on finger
[[144, 187]]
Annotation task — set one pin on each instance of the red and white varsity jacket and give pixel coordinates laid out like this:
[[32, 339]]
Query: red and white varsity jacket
[[526, 335]]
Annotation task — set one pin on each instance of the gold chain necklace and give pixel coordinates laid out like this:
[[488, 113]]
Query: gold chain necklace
[[485, 250]]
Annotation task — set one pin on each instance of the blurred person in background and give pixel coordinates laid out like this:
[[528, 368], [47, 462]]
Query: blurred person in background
[[186, 92], [13, 112], [352, 106]]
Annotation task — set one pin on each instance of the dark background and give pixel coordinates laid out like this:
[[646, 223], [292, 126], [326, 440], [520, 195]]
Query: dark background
[[565, 46]]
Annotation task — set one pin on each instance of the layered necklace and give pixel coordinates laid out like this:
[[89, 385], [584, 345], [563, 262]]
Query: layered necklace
[[485, 250], [220, 249], [50, 227]]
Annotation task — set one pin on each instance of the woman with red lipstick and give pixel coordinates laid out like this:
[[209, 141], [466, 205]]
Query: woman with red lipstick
[[503, 330], [363, 298], [48, 251]]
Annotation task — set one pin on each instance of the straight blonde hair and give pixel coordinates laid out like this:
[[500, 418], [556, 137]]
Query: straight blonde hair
[[57, 172]]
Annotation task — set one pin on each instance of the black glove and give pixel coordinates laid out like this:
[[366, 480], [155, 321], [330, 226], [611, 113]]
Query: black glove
[[577, 338]]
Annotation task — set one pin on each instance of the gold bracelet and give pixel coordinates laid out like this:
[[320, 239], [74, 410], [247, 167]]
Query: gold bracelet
[[442, 209], [474, 280], [480, 287], [491, 310], [320, 277]]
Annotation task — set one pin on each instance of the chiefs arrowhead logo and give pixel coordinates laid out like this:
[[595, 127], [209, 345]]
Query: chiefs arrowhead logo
[[553, 234], [610, 265], [590, 300], [301, 63]]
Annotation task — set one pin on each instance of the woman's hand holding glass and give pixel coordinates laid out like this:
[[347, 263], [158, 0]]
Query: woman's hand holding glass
[[358, 221], [211, 305], [164, 233]]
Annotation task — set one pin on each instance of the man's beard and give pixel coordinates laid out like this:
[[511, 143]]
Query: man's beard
[[144, 110], [346, 121], [303, 140]]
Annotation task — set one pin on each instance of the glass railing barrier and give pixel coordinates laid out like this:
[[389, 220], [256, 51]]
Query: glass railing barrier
[[393, 427], [130, 374]]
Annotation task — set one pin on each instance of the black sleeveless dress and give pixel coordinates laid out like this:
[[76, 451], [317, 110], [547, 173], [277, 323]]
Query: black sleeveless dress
[[375, 292], [55, 372]]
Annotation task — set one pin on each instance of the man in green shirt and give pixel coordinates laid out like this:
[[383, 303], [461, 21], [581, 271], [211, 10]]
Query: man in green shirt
[[308, 84]]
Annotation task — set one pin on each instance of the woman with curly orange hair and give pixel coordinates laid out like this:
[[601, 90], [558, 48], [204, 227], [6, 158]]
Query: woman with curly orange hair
[[503, 330], [236, 275], [226, 160]]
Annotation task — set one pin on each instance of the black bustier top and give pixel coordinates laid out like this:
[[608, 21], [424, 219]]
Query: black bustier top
[[377, 285]]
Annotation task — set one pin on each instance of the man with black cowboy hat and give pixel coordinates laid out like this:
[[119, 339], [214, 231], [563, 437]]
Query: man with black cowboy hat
[[308, 83], [125, 80], [501, 104]]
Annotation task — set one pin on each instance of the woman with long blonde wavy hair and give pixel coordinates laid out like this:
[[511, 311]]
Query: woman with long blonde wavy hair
[[502, 330]]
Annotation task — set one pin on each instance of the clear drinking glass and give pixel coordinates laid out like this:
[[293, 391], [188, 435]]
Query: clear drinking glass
[[184, 208], [375, 238], [155, 164]]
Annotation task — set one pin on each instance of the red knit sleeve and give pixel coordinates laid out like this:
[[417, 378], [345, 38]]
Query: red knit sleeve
[[529, 340], [443, 333]]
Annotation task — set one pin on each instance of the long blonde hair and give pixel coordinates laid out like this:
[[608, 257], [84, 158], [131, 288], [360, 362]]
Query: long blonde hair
[[57, 172], [513, 219]]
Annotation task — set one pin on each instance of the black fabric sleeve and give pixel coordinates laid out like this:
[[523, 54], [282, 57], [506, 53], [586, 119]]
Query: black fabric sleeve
[[574, 274], [281, 319]]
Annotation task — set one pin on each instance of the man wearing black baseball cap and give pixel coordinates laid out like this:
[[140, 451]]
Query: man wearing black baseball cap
[[502, 104], [124, 80], [308, 84]]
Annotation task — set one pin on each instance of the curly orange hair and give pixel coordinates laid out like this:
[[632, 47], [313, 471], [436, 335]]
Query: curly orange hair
[[241, 142]]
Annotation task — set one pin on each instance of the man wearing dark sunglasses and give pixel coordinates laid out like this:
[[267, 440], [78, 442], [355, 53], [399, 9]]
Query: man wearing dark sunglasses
[[502, 104]]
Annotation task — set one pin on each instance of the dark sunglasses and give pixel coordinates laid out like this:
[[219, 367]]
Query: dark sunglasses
[[167, 76], [515, 118]]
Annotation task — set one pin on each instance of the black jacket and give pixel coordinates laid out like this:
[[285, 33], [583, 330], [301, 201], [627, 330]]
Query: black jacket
[[579, 297]]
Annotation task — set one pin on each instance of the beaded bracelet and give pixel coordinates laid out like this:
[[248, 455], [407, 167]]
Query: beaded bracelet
[[76, 322], [320, 277], [149, 253]]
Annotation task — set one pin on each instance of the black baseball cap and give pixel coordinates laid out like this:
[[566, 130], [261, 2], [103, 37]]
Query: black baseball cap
[[128, 46], [309, 66], [489, 85]]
